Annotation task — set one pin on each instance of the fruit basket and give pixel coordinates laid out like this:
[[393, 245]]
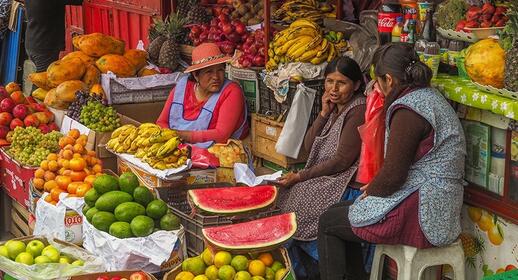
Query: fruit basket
[[508, 275], [457, 35], [498, 91], [176, 198], [483, 33]]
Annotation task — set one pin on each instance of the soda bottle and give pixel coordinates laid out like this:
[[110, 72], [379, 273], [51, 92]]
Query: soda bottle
[[396, 31], [412, 31], [409, 7], [387, 15], [406, 29]]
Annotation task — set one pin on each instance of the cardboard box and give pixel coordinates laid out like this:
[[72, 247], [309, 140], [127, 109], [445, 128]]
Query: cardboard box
[[15, 178], [189, 177], [124, 274], [278, 254], [141, 112]]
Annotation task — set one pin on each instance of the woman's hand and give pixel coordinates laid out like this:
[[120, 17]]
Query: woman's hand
[[364, 190], [289, 179], [185, 135], [327, 105]]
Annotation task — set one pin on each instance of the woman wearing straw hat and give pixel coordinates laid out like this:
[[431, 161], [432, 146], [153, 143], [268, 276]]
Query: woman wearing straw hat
[[205, 107]]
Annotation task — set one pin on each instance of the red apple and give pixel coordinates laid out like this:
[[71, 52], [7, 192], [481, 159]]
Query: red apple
[[16, 123], [7, 105], [227, 28], [44, 128], [138, 276], [31, 120], [258, 60], [36, 107], [3, 93], [20, 111], [3, 131], [240, 28], [54, 126], [5, 118], [103, 278]]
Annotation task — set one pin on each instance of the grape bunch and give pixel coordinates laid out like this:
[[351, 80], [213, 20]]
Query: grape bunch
[[30, 147], [82, 98], [99, 117]]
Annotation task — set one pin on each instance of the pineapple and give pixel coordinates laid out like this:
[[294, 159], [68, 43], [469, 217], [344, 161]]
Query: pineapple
[[157, 38], [169, 54], [472, 246], [510, 45], [197, 14]]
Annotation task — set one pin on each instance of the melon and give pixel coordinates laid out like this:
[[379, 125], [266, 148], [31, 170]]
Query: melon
[[485, 63], [233, 200], [258, 235]]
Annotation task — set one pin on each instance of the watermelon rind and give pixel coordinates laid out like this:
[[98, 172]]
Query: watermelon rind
[[260, 245], [196, 198]]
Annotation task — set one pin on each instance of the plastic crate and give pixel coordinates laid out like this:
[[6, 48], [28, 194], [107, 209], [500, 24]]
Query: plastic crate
[[508, 275], [268, 105], [176, 198]]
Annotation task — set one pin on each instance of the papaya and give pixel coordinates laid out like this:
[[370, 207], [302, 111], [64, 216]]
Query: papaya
[[137, 57], [147, 72], [485, 63], [40, 80], [117, 64], [65, 70], [81, 55], [98, 44], [39, 94], [66, 91], [92, 75], [97, 89], [52, 100]]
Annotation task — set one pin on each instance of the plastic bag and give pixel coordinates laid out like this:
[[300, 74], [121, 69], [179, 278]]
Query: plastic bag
[[372, 133], [202, 158], [364, 41]]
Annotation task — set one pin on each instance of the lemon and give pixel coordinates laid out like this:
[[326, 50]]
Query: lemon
[[212, 272], [207, 257], [201, 277], [184, 275], [239, 263], [222, 258], [277, 265], [226, 272], [270, 274], [280, 273], [243, 275], [257, 268]]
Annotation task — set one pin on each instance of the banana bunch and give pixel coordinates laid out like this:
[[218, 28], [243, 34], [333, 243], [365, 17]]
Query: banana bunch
[[302, 41], [304, 9], [337, 38], [156, 146]]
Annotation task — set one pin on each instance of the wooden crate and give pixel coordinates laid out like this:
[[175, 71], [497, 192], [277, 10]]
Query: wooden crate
[[265, 133], [21, 223]]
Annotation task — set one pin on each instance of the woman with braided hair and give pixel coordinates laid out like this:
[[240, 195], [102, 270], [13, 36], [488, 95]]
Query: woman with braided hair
[[416, 197]]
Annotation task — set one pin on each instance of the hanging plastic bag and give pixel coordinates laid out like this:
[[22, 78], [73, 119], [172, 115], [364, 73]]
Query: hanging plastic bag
[[292, 134], [202, 158], [372, 133]]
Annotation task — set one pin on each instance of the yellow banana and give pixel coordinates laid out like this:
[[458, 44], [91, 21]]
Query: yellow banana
[[168, 147], [308, 55], [119, 130], [318, 60], [332, 53], [324, 47], [286, 46], [140, 153], [303, 31], [299, 47], [314, 43], [304, 22], [149, 125], [111, 144]]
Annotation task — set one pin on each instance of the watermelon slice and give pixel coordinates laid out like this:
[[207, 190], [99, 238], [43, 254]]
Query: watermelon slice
[[233, 200], [258, 235]]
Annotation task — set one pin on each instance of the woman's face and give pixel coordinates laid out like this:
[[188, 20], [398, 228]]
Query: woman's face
[[339, 87], [211, 79], [385, 84]]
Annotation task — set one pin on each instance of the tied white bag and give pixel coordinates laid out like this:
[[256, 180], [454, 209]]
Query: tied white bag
[[294, 130]]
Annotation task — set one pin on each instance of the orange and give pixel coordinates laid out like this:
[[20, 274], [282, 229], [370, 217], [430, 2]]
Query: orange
[[83, 189], [67, 172], [63, 182], [82, 140], [76, 155], [39, 173], [66, 163], [48, 198], [54, 193], [49, 176], [78, 148], [69, 147], [61, 170], [90, 179], [68, 154], [77, 176], [44, 165], [53, 165], [38, 183], [72, 187], [266, 258], [48, 186], [77, 164], [92, 154], [87, 171], [52, 156], [97, 168], [69, 141], [74, 133]]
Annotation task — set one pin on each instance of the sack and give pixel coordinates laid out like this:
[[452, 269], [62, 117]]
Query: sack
[[372, 133]]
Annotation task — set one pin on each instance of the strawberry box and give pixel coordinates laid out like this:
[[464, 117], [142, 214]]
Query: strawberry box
[[15, 178]]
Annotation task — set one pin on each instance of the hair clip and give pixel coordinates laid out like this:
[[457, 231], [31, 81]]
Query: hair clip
[[410, 65]]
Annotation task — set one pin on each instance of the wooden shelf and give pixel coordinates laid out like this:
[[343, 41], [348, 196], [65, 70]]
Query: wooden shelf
[[492, 202]]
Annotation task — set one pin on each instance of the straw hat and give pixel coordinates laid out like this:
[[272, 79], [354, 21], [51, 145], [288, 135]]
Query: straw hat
[[205, 55]]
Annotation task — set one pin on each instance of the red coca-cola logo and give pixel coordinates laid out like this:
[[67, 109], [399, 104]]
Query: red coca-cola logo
[[386, 22]]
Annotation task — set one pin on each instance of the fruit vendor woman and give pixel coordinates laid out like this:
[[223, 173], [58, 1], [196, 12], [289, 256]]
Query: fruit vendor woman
[[205, 107], [416, 196], [334, 144]]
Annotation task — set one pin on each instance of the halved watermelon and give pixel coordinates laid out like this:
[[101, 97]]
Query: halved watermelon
[[233, 200], [258, 235]]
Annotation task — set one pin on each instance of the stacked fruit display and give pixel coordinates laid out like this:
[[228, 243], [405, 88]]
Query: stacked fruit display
[[72, 170], [124, 209], [156, 146], [99, 117], [337, 38], [35, 252], [222, 265], [29, 146], [249, 12], [304, 9], [483, 17], [81, 70], [253, 51], [303, 41], [82, 98]]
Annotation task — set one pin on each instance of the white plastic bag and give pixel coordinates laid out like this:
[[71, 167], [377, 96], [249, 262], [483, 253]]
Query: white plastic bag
[[292, 134]]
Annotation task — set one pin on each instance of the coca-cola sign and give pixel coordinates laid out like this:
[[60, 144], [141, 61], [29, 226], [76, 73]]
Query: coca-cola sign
[[386, 22]]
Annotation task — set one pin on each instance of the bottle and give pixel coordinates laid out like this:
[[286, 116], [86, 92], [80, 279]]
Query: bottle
[[406, 30], [429, 28], [454, 49], [412, 31], [396, 31], [423, 7], [409, 7], [387, 15]]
